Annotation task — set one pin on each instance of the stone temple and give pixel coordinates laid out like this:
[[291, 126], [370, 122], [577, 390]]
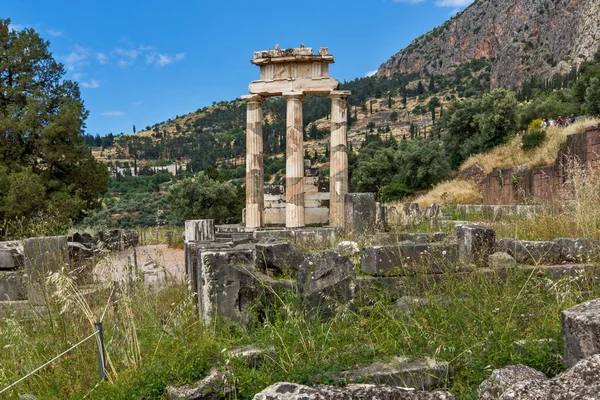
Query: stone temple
[[294, 73]]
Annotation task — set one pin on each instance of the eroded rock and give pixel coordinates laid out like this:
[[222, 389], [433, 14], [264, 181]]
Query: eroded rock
[[504, 378], [215, 386], [581, 331]]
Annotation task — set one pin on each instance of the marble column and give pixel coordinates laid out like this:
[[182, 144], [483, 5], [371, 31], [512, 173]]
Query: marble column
[[255, 202], [294, 165], [338, 167]]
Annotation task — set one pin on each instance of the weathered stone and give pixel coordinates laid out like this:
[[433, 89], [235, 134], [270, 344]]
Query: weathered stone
[[43, 255], [279, 257], [475, 172], [274, 234], [78, 251], [315, 237], [293, 391], [501, 260], [11, 255], [582, 381], [475, 243], [360, 213], [418, 373], [216, 386], [347, 248], [27, 396], [581, 331], [406, 258], [252, 356], [528, 252], [83, 238], [578, 250], [411, 214], [200, 230], [338, 158], [433, 211], [154, 275], [13, 286], [228, 284], [324, 281], [502, 379]]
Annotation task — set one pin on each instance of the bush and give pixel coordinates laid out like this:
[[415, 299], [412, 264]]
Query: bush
[[396, 190], [536, 124], [533, 138]]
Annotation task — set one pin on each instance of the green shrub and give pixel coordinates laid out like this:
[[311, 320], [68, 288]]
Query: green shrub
[[533, 138], [396, 190]]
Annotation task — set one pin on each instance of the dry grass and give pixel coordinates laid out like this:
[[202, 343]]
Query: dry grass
[[510, 154], [456, 191]]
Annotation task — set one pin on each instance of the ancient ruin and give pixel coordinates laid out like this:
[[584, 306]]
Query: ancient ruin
[[294, 73]]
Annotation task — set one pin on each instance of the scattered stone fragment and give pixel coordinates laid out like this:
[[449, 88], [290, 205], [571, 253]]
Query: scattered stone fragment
[[502, 379], [279, 257], [154, 275], [501, 260], [530, 252], [348, 248], [418, 373], [216, 386], [475, 243], [253, 356], [293, 391], [578, 250], [581, 331]]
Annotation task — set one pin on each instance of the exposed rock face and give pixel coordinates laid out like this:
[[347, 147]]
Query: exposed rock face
[[503, 378], [292, 391], [522, 38]]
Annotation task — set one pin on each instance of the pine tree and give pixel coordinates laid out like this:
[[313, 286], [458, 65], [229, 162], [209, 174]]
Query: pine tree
[[404, 99]]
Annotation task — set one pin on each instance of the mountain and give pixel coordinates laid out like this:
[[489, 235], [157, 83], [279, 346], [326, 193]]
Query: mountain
[[523, 39]]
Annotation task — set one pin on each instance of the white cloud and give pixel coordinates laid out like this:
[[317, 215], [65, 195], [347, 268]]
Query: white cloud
[[161, 60], [16, 27], [101, 57], [54, 33], [371, 73], [76, 58], [112, 113], [179, 56], [78, 75], [92, 84], [409, 1], [137, 103]]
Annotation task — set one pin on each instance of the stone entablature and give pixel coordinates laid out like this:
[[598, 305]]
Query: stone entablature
[[294, 73]]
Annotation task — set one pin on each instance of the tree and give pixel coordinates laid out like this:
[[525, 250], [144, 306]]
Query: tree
[[420, 88], [592, 97], [423, 163], [202, 197], [41, 136], [394, 116], [404, 100]]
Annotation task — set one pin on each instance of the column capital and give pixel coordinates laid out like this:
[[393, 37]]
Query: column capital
[[339, 94], [293, 95], [253, 98]]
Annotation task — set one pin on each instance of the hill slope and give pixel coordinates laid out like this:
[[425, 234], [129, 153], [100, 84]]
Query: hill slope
[[523, 38]]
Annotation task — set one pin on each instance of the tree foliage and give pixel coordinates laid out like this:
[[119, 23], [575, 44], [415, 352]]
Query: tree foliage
[[592, 97], [45, 165]]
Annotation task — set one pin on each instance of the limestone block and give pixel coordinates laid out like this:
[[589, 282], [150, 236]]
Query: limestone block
[[282, 257], [407, 257], [581, 331], [475, 243], [228, 284], [274, 234], [348, 248], [317, 215], [418, 373], [13, 286], [293, 391], [252, 356], [200, 230], [315, 237], [11, 255], [324, 281], [578, 250], [411, 214], [359, 210], [43, 255], [502, 379], [501, 260], [529, 252], [154, 276]]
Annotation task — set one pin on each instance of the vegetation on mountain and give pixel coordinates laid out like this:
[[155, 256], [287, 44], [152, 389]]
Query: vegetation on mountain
[[45, 166]]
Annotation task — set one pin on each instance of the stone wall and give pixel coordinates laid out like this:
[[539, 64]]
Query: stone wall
[[518, 184]]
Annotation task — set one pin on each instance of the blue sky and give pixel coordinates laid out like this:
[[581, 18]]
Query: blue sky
[[141, 62]]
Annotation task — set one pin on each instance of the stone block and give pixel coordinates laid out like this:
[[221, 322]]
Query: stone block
[[293, 391], [475, 243], [348, 248], [408, 257], [11, 256], [13, 286], [581, 331], [578, 250], [43, 255], [228, 284], [252, 356], [217, 385], [529, 252], [360, 212], [418, 373], [199, 230], [274, 234], [502, 379], [277, 258], [315, 238], [501, 260], [324, 281]]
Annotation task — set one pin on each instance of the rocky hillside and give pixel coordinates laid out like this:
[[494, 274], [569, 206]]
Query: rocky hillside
[[522, 38]]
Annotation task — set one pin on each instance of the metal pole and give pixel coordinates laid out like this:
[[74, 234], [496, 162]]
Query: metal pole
[[100, 350]]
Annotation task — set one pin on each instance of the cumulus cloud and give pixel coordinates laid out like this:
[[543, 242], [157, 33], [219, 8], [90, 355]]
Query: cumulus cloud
[[112, 113], [77, 58], [161, 59]]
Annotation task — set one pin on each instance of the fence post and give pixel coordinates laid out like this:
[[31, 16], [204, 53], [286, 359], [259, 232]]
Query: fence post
[[100, 350], [135, 264]]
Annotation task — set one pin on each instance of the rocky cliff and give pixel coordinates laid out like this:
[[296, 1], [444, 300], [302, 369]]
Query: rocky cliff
[[523, 38]]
